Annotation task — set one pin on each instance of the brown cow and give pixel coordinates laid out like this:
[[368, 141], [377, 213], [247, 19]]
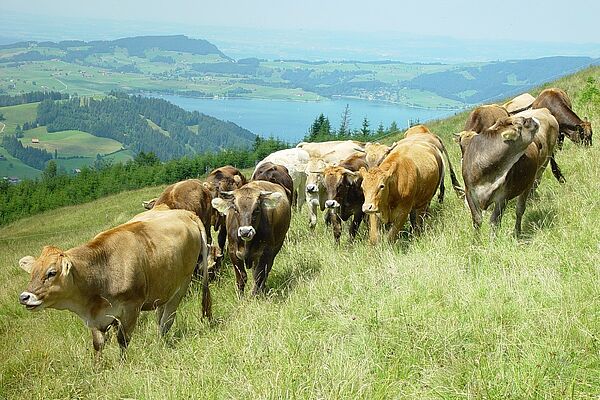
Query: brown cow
[[257, 219], [402, 185], [144, 264], [558, 103], [376, 152], [483, 117], [276, 174], [520, 103], [422, 133], [224, 179], [498, 165], [344, 194]]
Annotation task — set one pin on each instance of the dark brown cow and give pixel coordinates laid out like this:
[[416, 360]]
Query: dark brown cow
[[498, 165], [344, 194], [224, 179], [257, 219], [276, 174], [558, 103], [483, 117]]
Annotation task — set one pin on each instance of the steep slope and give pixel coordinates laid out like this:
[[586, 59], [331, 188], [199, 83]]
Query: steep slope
[[441, 315]]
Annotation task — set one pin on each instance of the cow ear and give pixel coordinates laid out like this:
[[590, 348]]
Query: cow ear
[[221, 205], [66, 266], [456, 137], [509, 135], [226, 195], [149, 204], [352, 176], [237, 179], [270, 199], [26, 263]]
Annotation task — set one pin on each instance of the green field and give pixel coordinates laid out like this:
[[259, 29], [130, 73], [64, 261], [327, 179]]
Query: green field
[[11, 166], [18, 115], [70, 143], [442, 315]]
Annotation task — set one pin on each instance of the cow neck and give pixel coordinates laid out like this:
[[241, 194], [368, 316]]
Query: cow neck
[[87, 275], [505, 156]]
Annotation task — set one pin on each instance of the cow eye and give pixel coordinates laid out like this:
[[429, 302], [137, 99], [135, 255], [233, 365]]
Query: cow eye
[[50, 274], [381, 186]]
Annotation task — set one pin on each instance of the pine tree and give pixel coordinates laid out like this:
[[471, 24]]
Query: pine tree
[[380, 129], [364, 130], [344, 129]]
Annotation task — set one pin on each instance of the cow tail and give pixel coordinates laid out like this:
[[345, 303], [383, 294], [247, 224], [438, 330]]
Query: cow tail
[[556, 170], [458, 189], [206, 299]]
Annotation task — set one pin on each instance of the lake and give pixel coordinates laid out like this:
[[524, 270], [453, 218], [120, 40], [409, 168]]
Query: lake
[[290, 120]]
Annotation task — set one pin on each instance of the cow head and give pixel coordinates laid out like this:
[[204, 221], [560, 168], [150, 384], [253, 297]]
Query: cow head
[[515, 129], [585, 132], [149, 204], [375, 185], [50, 281], [463, 139], [314, 175], [244, 210], [337, 181], [376, 153]]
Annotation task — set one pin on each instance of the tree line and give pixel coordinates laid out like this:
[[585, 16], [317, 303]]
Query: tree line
[[55, 189], [31, 156], [30, 97]]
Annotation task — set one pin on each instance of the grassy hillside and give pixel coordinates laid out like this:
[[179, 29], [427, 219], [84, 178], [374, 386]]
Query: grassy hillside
[[438, 316]]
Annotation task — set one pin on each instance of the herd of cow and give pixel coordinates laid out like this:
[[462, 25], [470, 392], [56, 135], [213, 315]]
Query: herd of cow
[[148, 262]]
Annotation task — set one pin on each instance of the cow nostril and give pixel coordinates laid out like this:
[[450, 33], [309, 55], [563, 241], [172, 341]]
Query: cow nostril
[[24, 297]]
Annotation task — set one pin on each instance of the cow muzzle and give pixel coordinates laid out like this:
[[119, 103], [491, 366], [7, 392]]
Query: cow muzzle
[[29, 300], [246, 233], [369, 208], [311, 188], [332, 204]]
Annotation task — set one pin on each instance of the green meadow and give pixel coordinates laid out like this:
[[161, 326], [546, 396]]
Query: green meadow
[[441, 315]]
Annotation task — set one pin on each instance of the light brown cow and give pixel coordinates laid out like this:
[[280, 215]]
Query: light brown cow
[[402, 185], [520, 103], [483, 117], [422, 133], [144, 264]]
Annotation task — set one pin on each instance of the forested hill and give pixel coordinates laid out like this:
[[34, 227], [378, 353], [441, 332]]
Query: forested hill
[[144, 124], [71, 50]]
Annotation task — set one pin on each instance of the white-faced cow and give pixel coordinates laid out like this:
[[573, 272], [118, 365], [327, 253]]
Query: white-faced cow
[[520, 103], [144, 264], [402, 185], [295, 160], [558, 103], [257, 219]]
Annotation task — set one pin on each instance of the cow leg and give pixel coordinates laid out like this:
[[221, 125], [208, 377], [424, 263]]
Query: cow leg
[[240, 276], [556, 170], [373, 229], [222, 237], [126, 327], [98, 340], [336, 223], [475, 211], [442, 189], [520, 210], [419, 220], [260, 274], [312, 213], [356, 220], [166, 316], [496, 217], [397, 225]]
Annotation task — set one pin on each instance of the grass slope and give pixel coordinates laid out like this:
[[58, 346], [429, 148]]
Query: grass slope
[[438, 316]]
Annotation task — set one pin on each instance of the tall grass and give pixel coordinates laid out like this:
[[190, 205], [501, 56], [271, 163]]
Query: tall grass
[[438, 316]]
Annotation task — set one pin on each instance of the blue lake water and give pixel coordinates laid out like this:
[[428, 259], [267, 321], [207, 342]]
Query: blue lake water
[[290, 120]]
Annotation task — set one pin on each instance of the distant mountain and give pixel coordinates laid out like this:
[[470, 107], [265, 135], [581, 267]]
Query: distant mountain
[[487, 82], [135, 46]]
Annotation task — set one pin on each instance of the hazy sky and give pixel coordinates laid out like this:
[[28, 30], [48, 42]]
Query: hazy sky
[[573, 21]]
